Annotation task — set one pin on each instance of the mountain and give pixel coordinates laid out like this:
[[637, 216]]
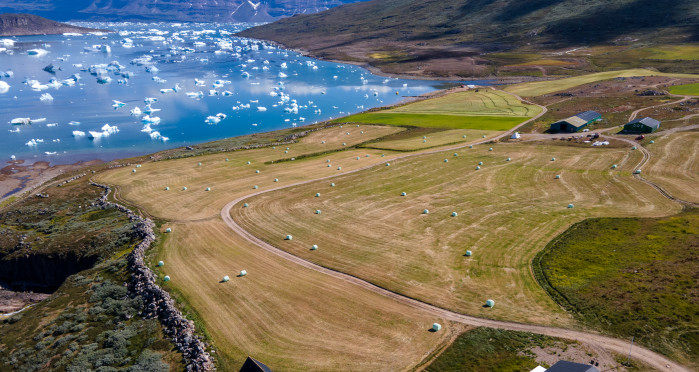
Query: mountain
[[171, 10], [28, 24], [392, 34]]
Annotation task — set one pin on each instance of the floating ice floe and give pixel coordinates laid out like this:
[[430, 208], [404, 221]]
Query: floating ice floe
[[215, 119], [26, 121], [107, 130], [149, 100], [74, 123], [136, 111], [261, 108], [118, 104], [51, 125], [37, 52], [78, 133], [147, 119], [7, 43], [157, 136], [33, 142], [197, 95], [199, 83], [4, 87]]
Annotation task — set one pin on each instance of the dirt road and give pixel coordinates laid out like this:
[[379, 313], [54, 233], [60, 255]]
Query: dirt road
[[610, 344]]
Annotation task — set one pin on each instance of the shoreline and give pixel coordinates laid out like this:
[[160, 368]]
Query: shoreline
[[497, 80], [19, 177]]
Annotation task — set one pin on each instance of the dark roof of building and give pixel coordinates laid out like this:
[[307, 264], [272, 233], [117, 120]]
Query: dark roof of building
[[253, 365], [588, 115], [566, 366], [647, 121]]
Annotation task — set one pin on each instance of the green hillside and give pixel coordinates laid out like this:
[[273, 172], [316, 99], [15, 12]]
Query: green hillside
[[468, 37]]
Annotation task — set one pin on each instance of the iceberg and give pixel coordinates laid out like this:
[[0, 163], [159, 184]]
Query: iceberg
[[7, 42], [149, 100], [197, 95], [74, 123], [150, 120], [37, 52], [34, 142], [157, 136], [261, 108], [136, 111], [4, 87], [118, 104], [78, 133]]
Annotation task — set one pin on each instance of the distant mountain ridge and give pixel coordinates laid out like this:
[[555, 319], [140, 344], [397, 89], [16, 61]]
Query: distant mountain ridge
[[27, 24], [390, 32], [170, 10]]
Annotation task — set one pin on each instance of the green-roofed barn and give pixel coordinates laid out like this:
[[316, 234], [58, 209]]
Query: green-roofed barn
[[644, 125], [576, 122]]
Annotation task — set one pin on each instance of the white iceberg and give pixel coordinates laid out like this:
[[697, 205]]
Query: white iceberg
[[261, 108], [4, 87], [118, 104], [78, 133], [37, 52], [136, 111], [150, 120]]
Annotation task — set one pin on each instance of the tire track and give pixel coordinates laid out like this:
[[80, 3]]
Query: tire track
[[608, 343]]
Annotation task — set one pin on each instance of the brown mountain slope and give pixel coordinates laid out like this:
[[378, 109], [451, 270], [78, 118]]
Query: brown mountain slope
[[468, 37], [27, 24]]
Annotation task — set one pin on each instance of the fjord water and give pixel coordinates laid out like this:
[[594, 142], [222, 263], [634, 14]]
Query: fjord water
[[261, 87]]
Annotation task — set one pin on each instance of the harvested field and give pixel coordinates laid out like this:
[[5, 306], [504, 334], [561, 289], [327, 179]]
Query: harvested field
[[674, 164], [235, 177], [415, 142], [538, 88], [507, 211], [289, 317]]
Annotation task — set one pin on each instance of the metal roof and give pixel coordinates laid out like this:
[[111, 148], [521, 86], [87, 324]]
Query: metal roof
[[655, 124], [566, 366], [588, 115]]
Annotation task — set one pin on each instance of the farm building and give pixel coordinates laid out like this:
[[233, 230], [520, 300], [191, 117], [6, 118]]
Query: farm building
[[253, 365], [645, 125], [575, 122], [565, 366]]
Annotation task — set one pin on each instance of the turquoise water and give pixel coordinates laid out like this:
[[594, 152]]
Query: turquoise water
[[195, 71]]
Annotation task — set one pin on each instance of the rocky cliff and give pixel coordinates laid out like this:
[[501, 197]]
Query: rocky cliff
[[27, 24]]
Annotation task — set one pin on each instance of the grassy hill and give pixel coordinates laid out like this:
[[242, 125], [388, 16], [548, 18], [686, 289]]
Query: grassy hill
[[468, 38]]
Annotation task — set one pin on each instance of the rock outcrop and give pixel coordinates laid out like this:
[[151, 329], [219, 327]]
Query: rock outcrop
[[157, 302], [28, 24]]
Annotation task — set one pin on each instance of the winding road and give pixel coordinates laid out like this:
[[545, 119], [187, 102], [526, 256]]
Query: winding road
[[618, 346]]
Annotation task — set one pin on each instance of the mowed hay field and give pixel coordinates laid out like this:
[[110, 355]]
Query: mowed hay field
[[507, 212], [537, 88], [485, 109], [289, 317], [228, 179], [407, 141], [674, 164]]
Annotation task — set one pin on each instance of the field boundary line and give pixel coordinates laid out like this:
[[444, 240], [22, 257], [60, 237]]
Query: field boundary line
[[611, 344]]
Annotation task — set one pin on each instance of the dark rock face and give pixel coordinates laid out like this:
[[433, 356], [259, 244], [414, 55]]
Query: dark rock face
[[172, 10], [28, 24], [42, 273]]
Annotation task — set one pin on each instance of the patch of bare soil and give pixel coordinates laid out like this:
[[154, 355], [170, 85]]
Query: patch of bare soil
[[11, 301], [17, 177], [578, 353]]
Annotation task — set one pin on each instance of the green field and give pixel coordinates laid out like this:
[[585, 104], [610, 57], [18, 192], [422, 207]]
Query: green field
[[481, 109], [487, 349], [630, 277], [436, 121], [686, 89]]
